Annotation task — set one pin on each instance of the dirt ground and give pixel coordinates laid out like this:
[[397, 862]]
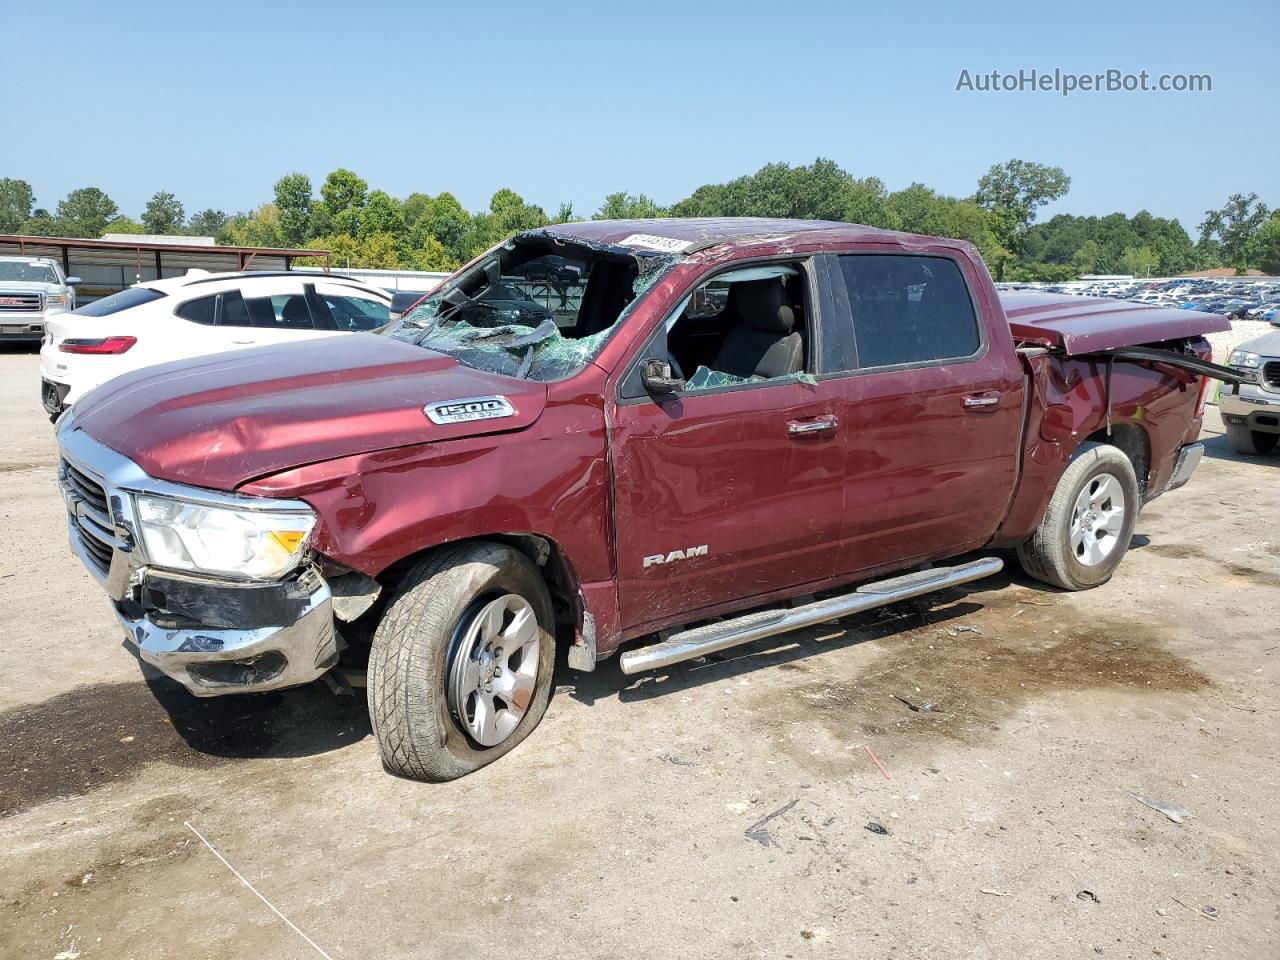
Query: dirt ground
[[722, 809]]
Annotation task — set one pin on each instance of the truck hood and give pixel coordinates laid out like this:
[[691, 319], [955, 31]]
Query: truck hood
[[27, 286], [1267, 345], [1079, 325], [220, 421]]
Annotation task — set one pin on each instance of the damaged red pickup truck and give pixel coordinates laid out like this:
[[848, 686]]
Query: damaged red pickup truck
[[679, 431]]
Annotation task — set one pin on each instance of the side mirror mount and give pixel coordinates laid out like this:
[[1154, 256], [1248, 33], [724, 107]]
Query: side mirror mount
[[658, 378], [72, 281]]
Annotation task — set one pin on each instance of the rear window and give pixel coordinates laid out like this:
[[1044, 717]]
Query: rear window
[[908, 309], [130, 297]]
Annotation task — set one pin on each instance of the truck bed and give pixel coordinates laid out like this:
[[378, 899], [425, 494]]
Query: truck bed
[[1078, 325]]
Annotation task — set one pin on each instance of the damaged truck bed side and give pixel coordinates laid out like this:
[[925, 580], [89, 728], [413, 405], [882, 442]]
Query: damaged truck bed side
[[674, 432]]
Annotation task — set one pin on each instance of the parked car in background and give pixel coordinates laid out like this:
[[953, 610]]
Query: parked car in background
[[720, 416], [1251, 411], [32, 289], [197, 314]]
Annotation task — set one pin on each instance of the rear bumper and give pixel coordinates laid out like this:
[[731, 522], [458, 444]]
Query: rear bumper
[[1189, 458]]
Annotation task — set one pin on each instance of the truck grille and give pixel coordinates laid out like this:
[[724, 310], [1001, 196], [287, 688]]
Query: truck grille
[[1271, 374], [88, 489], [21, 302], [89, 517]]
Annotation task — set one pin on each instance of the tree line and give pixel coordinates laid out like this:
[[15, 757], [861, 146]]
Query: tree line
[[372, 229]]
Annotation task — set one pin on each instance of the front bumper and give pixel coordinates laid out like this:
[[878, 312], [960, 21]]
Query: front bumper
[[213, 636], [1250, 405], [22, 327]]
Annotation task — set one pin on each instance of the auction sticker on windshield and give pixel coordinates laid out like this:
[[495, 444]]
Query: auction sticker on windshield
[[464, 411], [665, 244]]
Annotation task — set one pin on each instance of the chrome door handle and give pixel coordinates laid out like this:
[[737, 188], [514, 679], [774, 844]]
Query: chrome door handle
[[980, 401], [816, 425]]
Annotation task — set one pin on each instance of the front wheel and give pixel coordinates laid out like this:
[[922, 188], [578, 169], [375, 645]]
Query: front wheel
[[461, 662], [1246, 441], [1089, 522]]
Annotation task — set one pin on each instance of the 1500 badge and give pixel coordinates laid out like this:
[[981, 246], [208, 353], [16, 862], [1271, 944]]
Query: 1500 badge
[[473, 408]]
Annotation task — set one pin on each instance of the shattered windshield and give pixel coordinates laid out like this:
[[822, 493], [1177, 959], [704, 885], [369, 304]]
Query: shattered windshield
[[534, 308]]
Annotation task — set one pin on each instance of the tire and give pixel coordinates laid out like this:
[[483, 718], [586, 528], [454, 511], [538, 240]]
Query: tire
[[429, 642], [1249, 442], [1081, 540]]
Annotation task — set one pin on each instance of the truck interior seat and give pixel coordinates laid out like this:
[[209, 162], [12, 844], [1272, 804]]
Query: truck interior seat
[[764, 342]]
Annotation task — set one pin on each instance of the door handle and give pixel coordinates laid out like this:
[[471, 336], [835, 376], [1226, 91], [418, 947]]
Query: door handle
[[824, 424], [981, 401]]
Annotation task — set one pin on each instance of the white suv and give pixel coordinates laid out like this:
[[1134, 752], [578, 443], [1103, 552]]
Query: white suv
[[194, 315], [32, 289]]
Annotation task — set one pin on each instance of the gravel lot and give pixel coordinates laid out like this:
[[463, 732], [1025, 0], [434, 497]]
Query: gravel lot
[[718, 810]]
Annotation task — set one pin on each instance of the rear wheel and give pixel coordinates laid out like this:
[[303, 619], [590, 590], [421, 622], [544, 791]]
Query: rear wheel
[[1246, 441], [1089, 521], [461, 662]]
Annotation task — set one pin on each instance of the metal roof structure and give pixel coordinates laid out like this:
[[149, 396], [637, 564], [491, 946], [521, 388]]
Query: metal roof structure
[[106, 266]]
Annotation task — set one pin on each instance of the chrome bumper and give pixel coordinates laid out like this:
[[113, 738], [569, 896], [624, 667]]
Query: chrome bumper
[[208, 660], [213, 662], [1188, 459]]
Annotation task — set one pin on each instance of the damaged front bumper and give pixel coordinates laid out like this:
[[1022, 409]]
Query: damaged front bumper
[[214, 636]]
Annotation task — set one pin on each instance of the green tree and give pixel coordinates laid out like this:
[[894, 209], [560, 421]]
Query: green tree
[[1085, 259], [342, 197], [381, 214], [164, 214], [624, 206], [1234, 225], [16, 200], [1139, 261], [258, 229], [85, 212], [919, 209], [1267, 244], [123, 224], [207, 223], [565, 214], [1012, 192], [293, 200], [432, 255], [41, 223]]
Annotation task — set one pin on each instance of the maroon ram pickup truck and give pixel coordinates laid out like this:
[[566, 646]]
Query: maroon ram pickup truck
[[688, 433]]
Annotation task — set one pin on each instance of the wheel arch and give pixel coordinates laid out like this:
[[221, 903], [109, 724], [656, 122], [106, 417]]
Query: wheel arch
[[1133, 441]]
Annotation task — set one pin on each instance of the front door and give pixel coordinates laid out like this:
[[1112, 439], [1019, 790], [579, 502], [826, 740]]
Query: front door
[[731, 488]]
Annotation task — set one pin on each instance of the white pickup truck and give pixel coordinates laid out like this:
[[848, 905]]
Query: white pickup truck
[[31, 290]]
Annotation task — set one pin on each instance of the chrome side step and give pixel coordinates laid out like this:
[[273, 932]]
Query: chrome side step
[[713, 637]]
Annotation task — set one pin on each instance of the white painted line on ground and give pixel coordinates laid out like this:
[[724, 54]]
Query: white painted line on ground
[[254, 890]]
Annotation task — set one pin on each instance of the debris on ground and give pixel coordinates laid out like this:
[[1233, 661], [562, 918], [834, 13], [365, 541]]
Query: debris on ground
[[877, 829], [678, 761], [1173, 812], [1088, 896], [757, 831], [876, 761], [964, 628], [1209, 913], [995, 893], [926, 707]]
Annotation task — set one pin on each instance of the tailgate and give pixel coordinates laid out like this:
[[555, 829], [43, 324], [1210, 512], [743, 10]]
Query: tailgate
[[1077, 325]]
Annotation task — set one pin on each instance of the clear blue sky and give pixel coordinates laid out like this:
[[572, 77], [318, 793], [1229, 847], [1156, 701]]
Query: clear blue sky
[[569, 101]]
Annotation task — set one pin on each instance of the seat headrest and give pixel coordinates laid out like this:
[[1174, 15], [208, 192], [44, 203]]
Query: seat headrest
[[762, 305]]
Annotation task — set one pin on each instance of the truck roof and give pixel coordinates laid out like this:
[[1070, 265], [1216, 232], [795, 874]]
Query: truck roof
[[690, 234], [1078, 325]]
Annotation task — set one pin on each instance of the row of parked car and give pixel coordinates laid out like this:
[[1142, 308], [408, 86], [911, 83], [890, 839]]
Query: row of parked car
[[1230, 296], [175, 318]]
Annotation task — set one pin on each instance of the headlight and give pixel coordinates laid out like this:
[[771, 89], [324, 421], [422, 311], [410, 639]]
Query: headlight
[[55, 300], [1243, 358], [259, 544]]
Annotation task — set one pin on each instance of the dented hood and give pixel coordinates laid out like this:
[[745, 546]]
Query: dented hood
[[221, 421], [1079, 325]]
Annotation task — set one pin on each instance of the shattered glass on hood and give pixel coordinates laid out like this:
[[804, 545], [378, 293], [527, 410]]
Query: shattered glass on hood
[[523, 310]]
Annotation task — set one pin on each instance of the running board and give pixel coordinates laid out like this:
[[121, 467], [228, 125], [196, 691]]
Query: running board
[[713, 637]]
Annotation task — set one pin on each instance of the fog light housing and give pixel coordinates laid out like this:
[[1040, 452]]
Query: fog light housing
[[239, 673]]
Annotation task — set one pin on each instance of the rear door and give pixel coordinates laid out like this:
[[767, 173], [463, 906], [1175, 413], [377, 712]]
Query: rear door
[[728, 489], [344, 309], [930, 396]]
